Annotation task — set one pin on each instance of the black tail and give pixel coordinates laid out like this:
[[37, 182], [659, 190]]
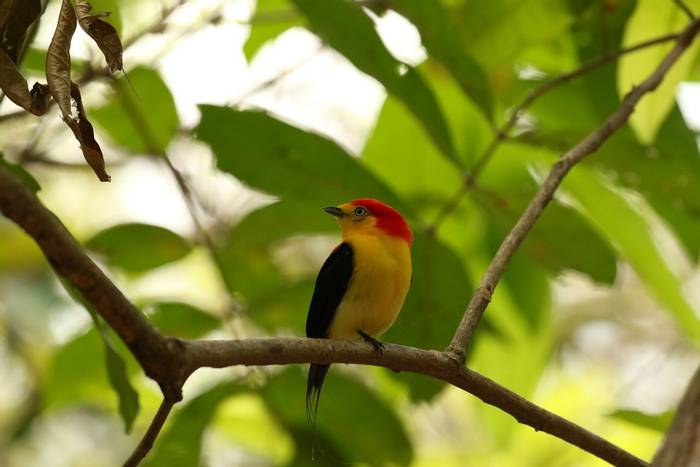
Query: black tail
[[317, 373]]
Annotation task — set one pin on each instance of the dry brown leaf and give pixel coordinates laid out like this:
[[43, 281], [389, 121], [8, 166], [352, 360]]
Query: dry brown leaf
[[82, 129], [103, 33], [13, 83], [40, 95], [58, 59], [15, 17], [5, 9]]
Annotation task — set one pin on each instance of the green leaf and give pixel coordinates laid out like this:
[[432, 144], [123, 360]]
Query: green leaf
[[281, 220], [442, 37], [496, 32], [77, 374], [346, 28], [22, 174], [182, 320], [283, 160], [303, 439], [143, 119], [273, 301], [529, 287], [660, 422], [359, 424], [508, 188], [624, 225], [434, 305], [519, 353], [405, 158], [116, 366], [118, 377], [272, 18], [182, 443], [138, 248], [653, 18], [667, 174], [598, 31]]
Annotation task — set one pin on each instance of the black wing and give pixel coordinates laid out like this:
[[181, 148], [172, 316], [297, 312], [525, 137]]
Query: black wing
[[332, 282]]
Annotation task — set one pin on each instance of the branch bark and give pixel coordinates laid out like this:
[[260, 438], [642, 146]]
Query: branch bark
[[681, 446], [151, 434], [481, 298], [171, 361], [153, 351]]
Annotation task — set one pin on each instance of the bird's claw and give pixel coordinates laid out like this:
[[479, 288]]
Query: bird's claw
[[378, 346]]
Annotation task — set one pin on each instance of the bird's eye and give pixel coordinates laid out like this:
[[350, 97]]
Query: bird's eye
[[360, 211]]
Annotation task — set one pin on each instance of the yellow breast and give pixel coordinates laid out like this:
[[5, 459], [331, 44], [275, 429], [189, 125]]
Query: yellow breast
[[380, 281]]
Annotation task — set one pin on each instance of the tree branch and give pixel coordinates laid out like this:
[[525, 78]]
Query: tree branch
[[151, 434], [223, 353], [686, 9], [517, 112], [482, 297], [681, 446], [153, 351], [170, 361]]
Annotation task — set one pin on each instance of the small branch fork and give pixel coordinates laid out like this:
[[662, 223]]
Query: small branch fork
[[170, 361]]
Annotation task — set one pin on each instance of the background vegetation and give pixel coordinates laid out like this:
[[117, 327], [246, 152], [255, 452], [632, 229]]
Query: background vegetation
[[212, 225]]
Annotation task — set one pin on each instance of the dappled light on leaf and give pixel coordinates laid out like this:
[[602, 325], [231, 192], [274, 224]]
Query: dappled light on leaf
[[138, 248], [350, 31]]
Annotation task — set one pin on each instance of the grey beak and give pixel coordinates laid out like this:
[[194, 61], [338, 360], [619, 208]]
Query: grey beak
[[334, 211]]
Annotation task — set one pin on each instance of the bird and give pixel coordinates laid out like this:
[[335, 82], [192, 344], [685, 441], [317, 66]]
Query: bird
[[362, 285]]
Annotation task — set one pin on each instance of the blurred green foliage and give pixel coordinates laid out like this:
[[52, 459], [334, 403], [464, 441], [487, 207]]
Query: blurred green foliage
[[483, 57]]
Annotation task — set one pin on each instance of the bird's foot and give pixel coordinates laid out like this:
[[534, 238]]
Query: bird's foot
[[378, 346]]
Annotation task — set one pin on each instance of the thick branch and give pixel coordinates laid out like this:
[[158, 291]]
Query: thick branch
[[152, 350], [681, 447], [480, 300], [170, 361], [427, 362]]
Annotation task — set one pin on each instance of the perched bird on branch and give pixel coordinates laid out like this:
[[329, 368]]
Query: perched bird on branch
[[363, 283]]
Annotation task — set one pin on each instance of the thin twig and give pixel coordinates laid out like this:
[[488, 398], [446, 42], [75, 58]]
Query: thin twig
[[482, 296], [686, 9], [265, 84], [156, 26], [517, 112], [171, 361], [151, 433]]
